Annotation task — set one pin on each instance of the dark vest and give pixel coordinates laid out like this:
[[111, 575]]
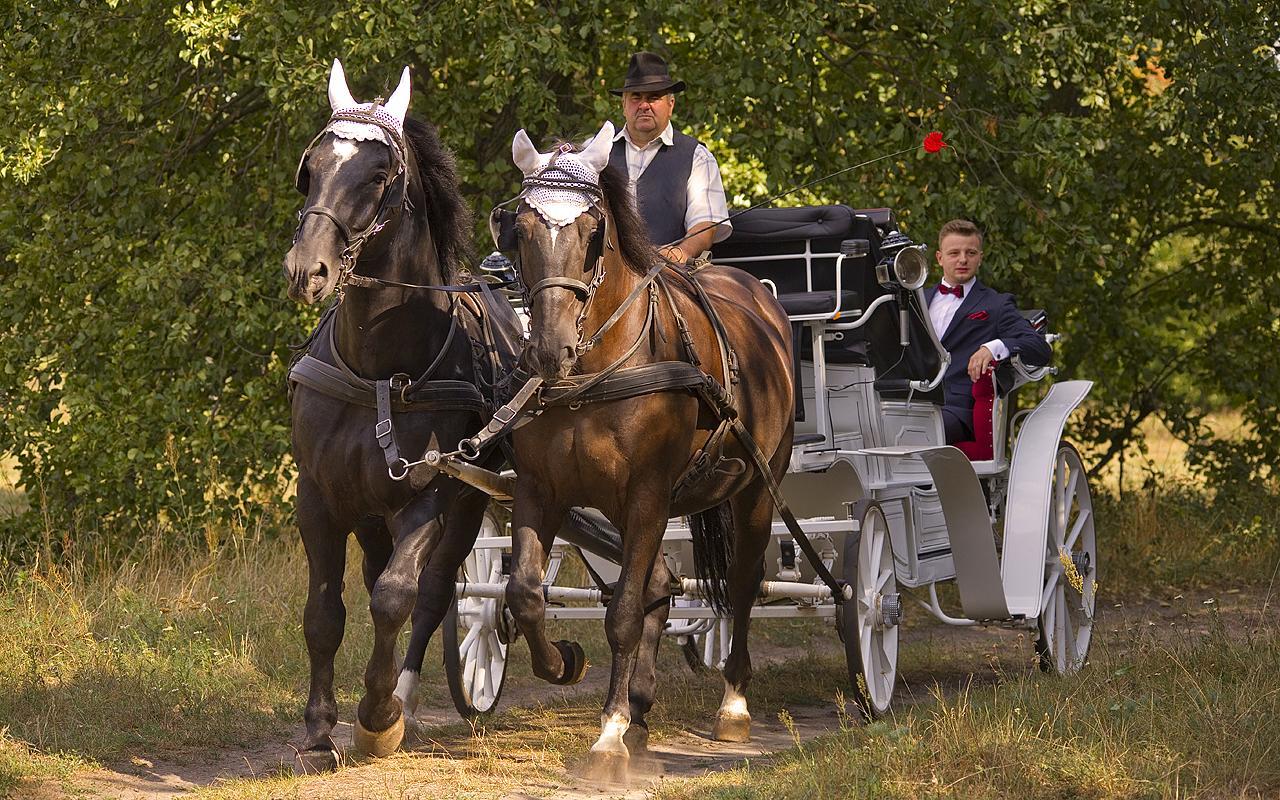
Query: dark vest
[[661, 192]]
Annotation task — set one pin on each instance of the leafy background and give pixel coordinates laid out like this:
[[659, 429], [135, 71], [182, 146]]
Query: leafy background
[[1121, 155]]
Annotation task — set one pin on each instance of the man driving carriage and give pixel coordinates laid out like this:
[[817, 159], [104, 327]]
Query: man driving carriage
[[673, 177], [979, 326]]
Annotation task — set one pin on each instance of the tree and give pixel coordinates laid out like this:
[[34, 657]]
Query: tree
[[1121, 158]]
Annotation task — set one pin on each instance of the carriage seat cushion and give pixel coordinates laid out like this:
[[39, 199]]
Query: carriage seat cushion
[[982, 446], [797, 303], [790, 225]]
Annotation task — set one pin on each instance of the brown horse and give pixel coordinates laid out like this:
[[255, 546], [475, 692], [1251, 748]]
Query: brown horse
[[601, 302]]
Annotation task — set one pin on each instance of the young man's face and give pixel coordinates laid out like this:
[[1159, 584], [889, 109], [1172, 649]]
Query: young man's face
[[960, 257], [647, 113]]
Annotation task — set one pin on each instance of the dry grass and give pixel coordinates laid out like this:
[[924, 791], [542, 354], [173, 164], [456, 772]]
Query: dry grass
[[1194, 717], [161, 656]]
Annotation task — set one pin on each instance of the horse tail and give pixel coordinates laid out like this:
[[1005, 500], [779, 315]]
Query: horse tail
[[712, 546]]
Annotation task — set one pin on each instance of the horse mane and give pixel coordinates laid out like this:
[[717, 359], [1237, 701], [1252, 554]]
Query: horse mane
[[447, 212], [633, 240]]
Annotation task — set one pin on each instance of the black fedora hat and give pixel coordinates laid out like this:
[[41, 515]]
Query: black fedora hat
[[647, 72]]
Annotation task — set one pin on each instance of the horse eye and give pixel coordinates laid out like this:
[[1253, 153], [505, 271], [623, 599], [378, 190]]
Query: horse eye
[[381, 177]]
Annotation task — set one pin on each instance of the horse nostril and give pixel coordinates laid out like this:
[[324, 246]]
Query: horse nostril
[[322, 272]]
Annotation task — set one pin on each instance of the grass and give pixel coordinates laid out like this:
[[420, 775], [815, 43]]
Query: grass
[[175, 656], [1195, 717], [169, 655]]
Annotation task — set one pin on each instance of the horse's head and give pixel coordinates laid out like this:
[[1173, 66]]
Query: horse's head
[[354, 177], [562, 227]]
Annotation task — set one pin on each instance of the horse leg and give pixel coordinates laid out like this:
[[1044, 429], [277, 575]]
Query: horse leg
[[379, 719], [435, 588], [644, 681], [646, 520], [323, 620], [375, 543], [752, 515], [534, 523]]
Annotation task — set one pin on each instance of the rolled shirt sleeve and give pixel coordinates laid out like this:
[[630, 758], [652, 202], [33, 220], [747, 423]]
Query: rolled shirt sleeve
[[706, 200]]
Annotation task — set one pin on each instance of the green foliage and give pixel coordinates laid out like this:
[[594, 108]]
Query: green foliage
[[1122, 157]]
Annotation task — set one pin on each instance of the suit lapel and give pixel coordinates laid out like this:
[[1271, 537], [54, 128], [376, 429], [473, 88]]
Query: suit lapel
[[966, 307]]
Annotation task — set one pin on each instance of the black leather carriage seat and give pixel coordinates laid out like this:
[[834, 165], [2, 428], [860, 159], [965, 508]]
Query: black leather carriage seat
[[774, 244], [796, 249]]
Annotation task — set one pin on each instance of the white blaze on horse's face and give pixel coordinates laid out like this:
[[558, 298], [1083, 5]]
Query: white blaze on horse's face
[[343, 150]]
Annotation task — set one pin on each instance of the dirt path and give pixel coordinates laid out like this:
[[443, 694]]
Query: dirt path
[[953, 657]]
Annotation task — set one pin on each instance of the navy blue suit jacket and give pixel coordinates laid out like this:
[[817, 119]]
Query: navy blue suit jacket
[[984, 314]]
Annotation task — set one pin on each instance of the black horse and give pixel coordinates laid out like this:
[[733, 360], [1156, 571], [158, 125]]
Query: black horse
[[390, 369]]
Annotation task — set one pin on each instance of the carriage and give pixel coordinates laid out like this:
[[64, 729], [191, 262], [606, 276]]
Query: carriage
[[888, 507]]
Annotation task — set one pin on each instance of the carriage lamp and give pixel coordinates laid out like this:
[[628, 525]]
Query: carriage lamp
[[903, 264]]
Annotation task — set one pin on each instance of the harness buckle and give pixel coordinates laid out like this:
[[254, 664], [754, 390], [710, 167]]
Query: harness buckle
[[382, 429]]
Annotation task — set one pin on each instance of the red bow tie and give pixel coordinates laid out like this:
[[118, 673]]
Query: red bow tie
[[958, 291]]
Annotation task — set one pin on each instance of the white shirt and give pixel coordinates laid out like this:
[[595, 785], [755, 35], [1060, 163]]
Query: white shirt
[[705, 191], [943, 310]]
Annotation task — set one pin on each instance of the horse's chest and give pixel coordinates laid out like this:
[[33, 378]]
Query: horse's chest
[[335, 444]]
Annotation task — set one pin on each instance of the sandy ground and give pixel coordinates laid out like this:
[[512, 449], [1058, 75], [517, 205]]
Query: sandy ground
[[955, 657]]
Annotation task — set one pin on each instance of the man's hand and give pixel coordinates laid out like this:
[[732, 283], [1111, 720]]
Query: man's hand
[[980, 363], [674, 253]]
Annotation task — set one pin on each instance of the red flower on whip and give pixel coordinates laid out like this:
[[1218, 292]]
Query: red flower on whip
[[933, 142]]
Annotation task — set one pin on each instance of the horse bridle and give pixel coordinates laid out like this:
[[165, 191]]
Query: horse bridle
[[394, 200], [502, 227]]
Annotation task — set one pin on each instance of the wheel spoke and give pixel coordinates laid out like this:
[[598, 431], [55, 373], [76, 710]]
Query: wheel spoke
[[469, 642], [1069, 495], [482, 668], [1050, 583], [1070, 629], [877, 550], [1060, 627], [1047, 610], [1077, 528], [883, 579]]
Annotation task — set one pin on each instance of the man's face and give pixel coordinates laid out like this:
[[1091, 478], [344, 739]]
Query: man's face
[[647, 113], [960, 257]]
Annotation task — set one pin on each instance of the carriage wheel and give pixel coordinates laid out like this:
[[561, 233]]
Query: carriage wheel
[[869, 621], [475, 663], [1071, 568]]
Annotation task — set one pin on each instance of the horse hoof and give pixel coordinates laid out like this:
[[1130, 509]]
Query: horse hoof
[[378, 744], [732, 729], [636, 738], [606, 766], [316, 760], [575, 663]]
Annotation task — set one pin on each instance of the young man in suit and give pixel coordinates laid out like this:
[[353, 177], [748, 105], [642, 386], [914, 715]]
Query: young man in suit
[[978, 325]]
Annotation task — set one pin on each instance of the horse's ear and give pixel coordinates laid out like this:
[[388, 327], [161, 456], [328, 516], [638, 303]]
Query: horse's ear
[[398, 105], [526, 156], [596, 153], [339, 94]]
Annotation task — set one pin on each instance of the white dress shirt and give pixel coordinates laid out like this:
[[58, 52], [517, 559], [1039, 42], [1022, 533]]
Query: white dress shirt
[[705, 200], [943, 310]]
